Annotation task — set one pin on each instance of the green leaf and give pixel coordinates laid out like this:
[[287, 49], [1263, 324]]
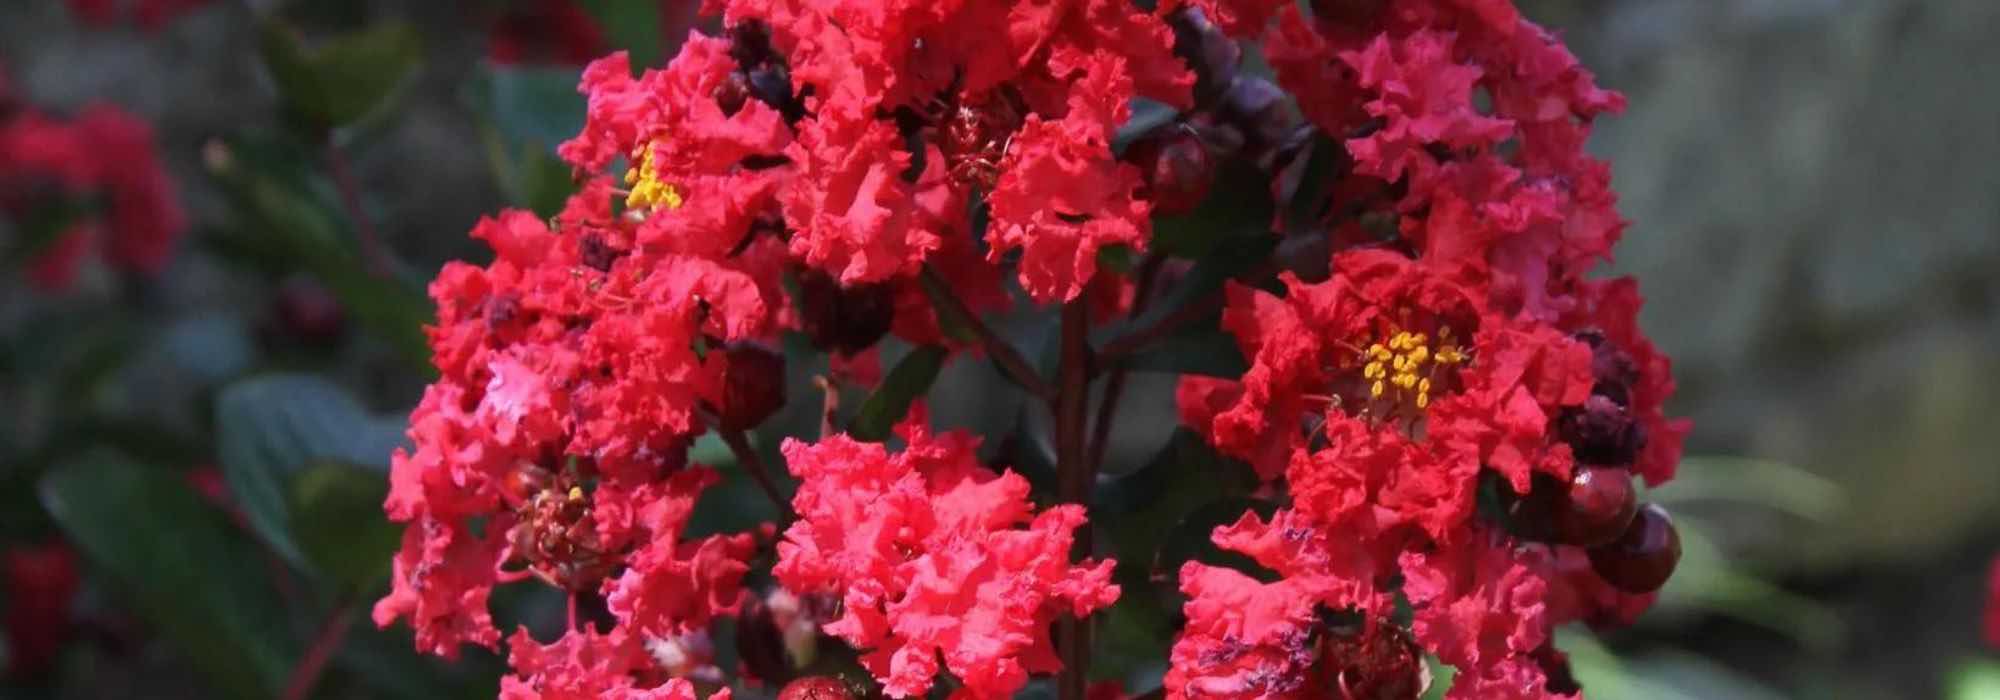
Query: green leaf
[[1238, 208], [173, 556], [337, 519], [286, 223], [344, 78], [631, 25], [1147, 115], [1203, 349], [910, 379], [1975, 680], [43, 226], [1185, 476], [530, 104], [270, 428]]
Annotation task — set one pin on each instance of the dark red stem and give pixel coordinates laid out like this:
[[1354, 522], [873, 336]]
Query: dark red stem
[[1073, 478], [332, 635]]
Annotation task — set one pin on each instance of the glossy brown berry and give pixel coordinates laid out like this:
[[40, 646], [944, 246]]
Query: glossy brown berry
[[1640, 560], [844, 320], [816, 688], [1600, 505], [753, 385], [732, 92], [1176, 166]]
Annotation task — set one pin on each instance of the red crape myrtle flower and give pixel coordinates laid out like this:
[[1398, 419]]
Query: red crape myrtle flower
[[41, 584], [1470, 347], [928, 552], [1445, 411], [103, 167], [151, 15], [1991, 627]]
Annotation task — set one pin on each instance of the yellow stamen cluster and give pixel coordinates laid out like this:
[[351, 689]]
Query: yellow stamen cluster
[[648, 191], [1407, 362]]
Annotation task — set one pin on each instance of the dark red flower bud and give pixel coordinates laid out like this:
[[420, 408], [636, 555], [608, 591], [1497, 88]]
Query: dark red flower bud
[[1601, 432], [1640, 560], [1555, 665], [1177, 168], [772, 85], [1600, 506], [759, 642], [42, 583], [1258, 108], [1213, 56], [753, 385], [817, 688], [844, 320], [308, 313], [732, 92]]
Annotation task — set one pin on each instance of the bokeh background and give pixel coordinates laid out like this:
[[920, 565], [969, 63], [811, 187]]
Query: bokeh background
[[1815, 186]]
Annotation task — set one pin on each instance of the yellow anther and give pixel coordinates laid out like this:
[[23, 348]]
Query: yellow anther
[[648, 191], [1376, 391], [1420, 354], [1423, 400], [576, 493], [1374, 370], [1423, 386]]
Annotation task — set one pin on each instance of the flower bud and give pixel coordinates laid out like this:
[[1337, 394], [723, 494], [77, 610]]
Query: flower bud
[[307, 313], [1258, 107], [753, 385], [817, 688], [1176, 166], [1213, 56], [759, 642], [732, 92], [1601, 432], [1640, 560], [1600, 506], [844, 320]]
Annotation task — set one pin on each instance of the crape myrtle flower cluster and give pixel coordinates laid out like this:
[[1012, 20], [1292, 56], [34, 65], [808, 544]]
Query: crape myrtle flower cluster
[[1449, 413], [89, 180]]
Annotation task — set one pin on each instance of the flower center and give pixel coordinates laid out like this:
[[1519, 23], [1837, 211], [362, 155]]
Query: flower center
[[557, 537], [648, 190], [1403, 367]]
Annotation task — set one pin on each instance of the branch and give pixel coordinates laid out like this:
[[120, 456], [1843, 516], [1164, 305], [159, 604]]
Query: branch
[[372, 252], [1073, 478], [746, 456], [1010, 360], [332, 635], [1107, 407], [1126, 345]]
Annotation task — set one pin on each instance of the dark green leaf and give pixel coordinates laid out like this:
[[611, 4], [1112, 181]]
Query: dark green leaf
[[1147, 115], [345, 77], [43, 226], [910, 379], [1238, 208], [632, 25], [270, 428], [337, 519], [1204, 349], [174, 557], [288, 224], [530, 105]]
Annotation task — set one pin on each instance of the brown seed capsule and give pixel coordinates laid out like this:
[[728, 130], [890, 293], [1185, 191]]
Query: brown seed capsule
[[732, 92], [1600, 505], [1177, 168], [753, 385], [1642, 559], [816, 688]]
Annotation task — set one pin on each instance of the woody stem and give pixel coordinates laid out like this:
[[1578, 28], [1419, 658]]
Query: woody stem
[[1114, 385], [746, 456], [1073, 477], [1009, 359], [372, 253]]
